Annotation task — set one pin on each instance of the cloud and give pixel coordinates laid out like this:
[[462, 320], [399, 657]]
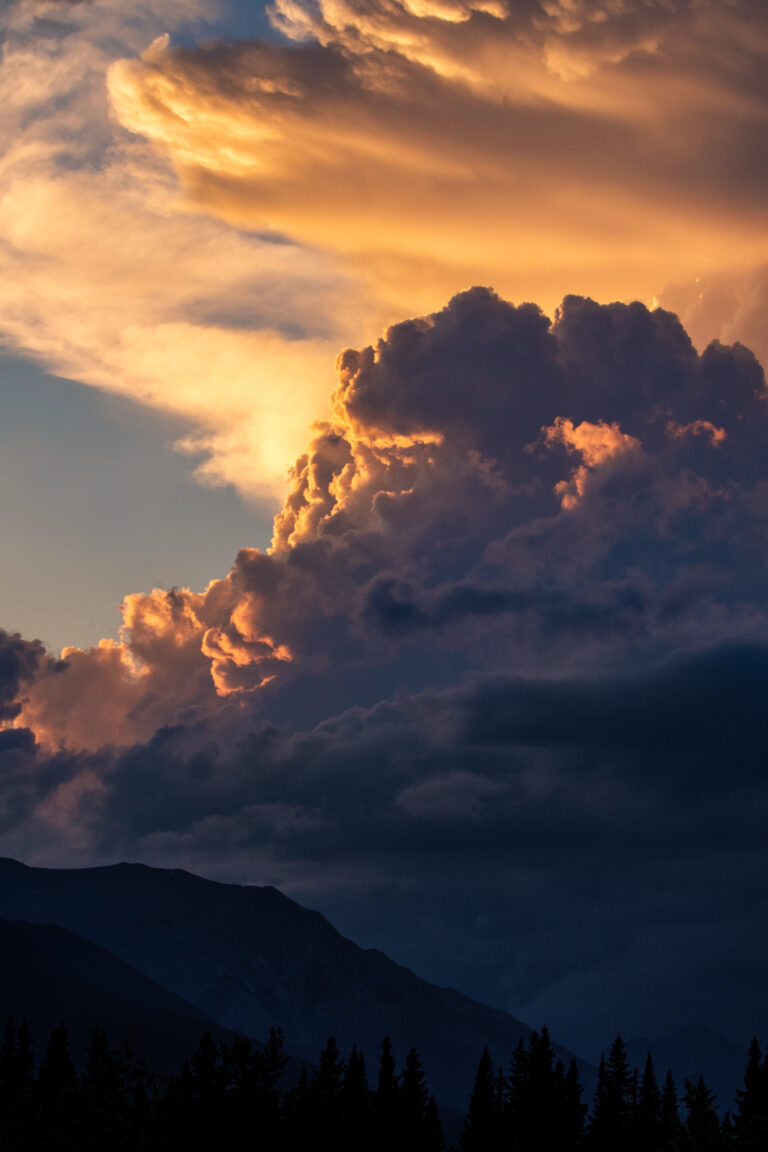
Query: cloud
[[108, 278], [520, 491], [527, 730], [503, 668], [20, 660], [467, 40], [201, 227], [728, 306], [604, 149], [523, 837]]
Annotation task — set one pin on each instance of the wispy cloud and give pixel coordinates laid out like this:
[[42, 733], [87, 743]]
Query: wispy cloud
[[107, 276]]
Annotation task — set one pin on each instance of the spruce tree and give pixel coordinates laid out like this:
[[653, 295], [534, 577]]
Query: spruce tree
[[357, 1107], [670, 1125], [648, 1122], [750, 1122], [386, 1104], [298, 1126], [56, 1096], [269, 1068], [207, 1090], [414, 1099], [573, 1110], [611, 1125], [325, 1099], [481, 1129], [701, 1132], [539, 1126], [434, 1140], [514, 1119], [104, 1096]]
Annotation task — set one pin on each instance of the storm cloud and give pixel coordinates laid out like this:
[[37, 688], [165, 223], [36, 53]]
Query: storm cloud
[[494, 699]]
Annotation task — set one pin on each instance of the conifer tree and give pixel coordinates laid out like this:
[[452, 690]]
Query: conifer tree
[[357, 1107], [386, 1104], [573, 1110], [242, 1121], [203, 1081], [481, 1132], [701, 1132], [414, 1100], [648, 1121], [55, 1103], [16, 1085], [750, 1122], [540, 1124], [269, 1067], [298, 1133], [670, 1125], [104, 1096], [611, 1123], [325, 1096], [434, 1139]]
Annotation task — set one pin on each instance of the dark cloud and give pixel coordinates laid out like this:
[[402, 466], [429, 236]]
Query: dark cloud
[[524, 838], [20, 659], [501, 677]]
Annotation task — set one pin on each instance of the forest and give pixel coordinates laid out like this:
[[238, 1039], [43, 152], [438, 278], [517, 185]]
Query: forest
[[233, 1096]]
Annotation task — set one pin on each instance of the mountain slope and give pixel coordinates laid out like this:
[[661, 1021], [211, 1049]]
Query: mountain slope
[[251, 958], [49, 974]]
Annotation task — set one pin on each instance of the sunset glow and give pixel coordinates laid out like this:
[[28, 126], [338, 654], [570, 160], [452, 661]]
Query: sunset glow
[[468, 299]]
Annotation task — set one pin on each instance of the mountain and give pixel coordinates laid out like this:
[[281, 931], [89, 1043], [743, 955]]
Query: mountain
[[49, 974], [250, 958], [692, 1052]]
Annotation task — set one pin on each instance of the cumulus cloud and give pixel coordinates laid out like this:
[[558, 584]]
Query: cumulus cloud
[[20, 660], [505, 661], [517, 488], [460, 38], [726, 305]]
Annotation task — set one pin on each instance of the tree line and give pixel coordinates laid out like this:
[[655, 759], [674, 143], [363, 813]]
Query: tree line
[[235, 1097], [538, 1104]]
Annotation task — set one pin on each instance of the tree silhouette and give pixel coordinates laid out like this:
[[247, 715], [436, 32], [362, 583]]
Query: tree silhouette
[[701, 1132], [750, 1122], [611, 1123], [481, 1132], [648, 1119]]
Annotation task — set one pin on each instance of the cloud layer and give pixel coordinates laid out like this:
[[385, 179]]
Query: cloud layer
[[201, 227], [545, 148], [504, 662]]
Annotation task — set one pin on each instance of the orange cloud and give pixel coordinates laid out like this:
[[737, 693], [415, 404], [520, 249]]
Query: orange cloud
[[202, 228], [697, 428], [597, 444], [380, 147], [425, 508], [109, 278]]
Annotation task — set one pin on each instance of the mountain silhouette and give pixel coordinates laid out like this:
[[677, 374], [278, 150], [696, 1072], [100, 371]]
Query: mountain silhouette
[[250, 958], [49, 974]]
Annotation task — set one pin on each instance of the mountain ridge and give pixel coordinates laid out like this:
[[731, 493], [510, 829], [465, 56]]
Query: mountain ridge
[[51, 975], [251, 958]]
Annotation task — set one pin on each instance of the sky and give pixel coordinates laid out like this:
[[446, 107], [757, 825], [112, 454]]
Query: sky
[[386, 494]]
